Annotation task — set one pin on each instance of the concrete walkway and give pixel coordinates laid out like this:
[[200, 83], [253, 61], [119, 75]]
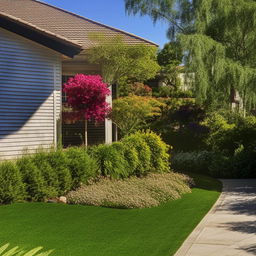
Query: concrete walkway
[[229, 229]]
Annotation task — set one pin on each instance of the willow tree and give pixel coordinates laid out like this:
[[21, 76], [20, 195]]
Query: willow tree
[[218, 37]]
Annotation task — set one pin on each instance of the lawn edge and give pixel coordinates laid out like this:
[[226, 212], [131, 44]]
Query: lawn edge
[[186, 245]]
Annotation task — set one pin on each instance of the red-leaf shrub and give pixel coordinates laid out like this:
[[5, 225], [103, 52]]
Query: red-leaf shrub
[[86, 94]]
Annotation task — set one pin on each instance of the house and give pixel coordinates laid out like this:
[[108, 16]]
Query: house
[[40, 47]]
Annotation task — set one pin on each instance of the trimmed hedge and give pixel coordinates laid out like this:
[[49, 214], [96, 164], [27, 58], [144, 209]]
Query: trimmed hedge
[[48, 174], [12, 187]]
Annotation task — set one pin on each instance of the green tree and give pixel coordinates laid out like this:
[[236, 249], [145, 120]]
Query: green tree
[[120, 61], [131, 113], [169, 58], [219, 39]]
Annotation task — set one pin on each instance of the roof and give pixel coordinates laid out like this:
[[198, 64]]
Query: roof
[[61, 23], [50, 40]]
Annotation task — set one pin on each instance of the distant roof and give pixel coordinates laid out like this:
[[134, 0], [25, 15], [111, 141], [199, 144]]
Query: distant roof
[[61, 23]]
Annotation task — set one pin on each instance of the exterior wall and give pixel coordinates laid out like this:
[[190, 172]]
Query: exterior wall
[[30, 95]]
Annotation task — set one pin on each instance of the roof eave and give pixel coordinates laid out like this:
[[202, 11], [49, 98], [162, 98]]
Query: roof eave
[[54, 42]]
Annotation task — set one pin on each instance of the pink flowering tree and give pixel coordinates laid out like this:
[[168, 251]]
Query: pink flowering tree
[[86, 95]]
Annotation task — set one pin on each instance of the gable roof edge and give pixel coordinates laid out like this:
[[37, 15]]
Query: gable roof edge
[[98, 23]]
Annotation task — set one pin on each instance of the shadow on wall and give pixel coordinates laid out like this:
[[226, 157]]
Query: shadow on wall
[[18, 105]]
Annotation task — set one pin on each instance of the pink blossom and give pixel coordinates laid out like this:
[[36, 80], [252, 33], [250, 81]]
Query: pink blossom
[[86, 94]]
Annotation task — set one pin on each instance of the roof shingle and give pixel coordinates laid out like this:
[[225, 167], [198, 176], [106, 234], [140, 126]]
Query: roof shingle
[[63, 23]]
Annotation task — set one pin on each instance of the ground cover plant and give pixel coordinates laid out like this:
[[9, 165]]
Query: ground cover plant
[[149, 191], [98, 231]]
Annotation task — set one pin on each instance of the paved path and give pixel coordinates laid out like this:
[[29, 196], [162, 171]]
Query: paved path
[[229, 229]]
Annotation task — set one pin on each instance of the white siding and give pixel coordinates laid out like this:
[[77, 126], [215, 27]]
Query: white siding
[[30, 90]]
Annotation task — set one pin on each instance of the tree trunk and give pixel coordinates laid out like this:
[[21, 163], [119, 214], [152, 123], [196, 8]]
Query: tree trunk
[[85, 133]]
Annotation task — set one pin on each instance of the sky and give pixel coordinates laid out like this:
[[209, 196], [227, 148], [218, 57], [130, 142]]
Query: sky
[[112, 13]]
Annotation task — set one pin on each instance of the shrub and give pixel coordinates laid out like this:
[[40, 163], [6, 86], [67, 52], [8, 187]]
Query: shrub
[[197, 162], [133, 192], [227, 134], [82, 167], [159, 151], [33, 179], [59, 162], [136, 142], [111, 161], [40, 159], [11, 188], [130, 155]]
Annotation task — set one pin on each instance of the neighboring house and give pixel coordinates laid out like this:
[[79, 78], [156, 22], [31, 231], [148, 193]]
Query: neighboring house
[[41, 46]]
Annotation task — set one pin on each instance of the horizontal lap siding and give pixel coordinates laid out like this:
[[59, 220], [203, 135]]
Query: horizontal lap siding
[[30, 102]]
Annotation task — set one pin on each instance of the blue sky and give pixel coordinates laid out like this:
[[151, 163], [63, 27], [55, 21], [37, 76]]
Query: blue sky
[[112, 13]]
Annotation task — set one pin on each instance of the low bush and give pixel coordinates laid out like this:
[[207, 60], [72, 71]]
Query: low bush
[[11, 188], [40, 159], [241, 165], [228, 134], [139, 144], [59, 162], [197, 162], [36, 189], [159, 151], [82, 166], [111, 161], [130, 155], [134, 192]]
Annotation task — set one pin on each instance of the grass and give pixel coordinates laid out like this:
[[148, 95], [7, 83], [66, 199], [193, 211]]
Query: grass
[[74, 230]]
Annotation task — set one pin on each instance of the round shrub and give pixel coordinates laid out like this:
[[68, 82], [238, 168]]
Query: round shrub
[[130, 155], [33, 179], [59, 162], [136, 142], [12, 188], [81, 166], [111, 161], [159, 151]]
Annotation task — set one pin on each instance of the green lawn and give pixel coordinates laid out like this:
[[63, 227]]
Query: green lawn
[[74, 230]]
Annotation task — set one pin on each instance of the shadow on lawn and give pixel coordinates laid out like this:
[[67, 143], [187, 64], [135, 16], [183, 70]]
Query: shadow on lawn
[[206, 182]]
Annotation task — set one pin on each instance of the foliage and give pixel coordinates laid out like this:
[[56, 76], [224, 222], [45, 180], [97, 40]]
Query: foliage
[[178, 13], [16, 251], [11, 189], [227, 136], [59, 162], [119, 60], [87, 96], [111, 161], [40, 159], [136, 142], [224, 66], [149, 191], [159, 151], [180, 124], [169, 58], [218, 38], [131, 113], [130, 155], [36, 189], [195, 161], [168, 91], [140, 89], [81, 166]]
